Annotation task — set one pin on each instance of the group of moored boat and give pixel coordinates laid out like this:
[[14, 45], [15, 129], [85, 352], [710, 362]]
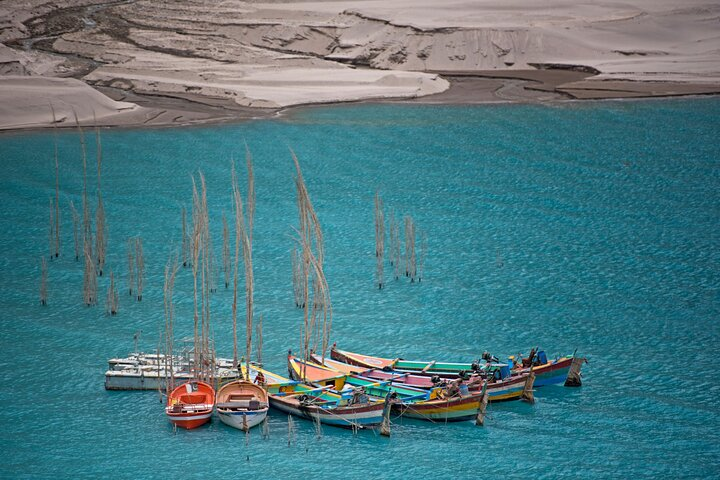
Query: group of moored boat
[[359, 391]]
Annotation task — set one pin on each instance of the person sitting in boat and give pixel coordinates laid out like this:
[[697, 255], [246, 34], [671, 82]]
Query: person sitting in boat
[[529, 360], [454, 389], [359, 396], [489, 358], [260, 379]]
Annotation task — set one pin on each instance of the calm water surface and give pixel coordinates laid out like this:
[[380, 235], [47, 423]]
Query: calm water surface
[[592, 226]]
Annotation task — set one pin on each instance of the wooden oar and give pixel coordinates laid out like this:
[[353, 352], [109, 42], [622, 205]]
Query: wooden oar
[[428, 366]]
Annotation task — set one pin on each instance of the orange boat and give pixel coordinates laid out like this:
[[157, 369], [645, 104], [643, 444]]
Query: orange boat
[[191, 404]]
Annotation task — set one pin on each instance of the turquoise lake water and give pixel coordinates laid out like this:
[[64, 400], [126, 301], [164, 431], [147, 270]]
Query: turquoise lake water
[[593, 226]]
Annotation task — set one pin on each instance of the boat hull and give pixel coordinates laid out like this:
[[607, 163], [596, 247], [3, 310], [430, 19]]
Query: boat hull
[[241, 404], [347, 417], [550, 373], [188, 421], [243, 420], [190, 405], [456, 409], [135, 379]]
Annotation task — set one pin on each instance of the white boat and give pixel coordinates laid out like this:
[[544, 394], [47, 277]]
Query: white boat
[[136, 359], [241, 404], [150, 377]]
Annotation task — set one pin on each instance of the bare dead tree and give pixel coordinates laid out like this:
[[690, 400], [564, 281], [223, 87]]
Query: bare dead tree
[[43, 281], [298, 278], [171, 269], [423, 253], [76, 227], [185, 239], [311, 244], [140, 267], [89, 275], [410, 256], [100, 228], [51, 230], [259, 342], [112, 300], [226, 250], [57, 186], [379, 239], [395, 245], [131, 264]]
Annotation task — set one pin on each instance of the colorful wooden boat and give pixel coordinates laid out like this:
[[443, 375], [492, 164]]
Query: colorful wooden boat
[[242, 404], [547, 372], [319, 404], [503, 389], [431, 405], [191, 404]]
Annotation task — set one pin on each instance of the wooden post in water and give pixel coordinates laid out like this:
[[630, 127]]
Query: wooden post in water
[[385, 425], [265, 429], [574, 378], [527, 394], [482, 409], [291, 430]]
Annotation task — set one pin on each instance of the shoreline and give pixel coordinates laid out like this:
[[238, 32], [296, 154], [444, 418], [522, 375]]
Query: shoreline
[[500, 87]]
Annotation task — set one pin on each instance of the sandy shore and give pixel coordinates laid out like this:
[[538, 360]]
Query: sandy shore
[[180, 62]]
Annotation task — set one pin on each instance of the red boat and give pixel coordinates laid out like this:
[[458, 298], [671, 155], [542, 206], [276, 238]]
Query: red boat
[[191, 404]]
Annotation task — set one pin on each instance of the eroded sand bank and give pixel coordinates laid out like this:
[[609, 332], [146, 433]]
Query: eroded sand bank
[[187, 61]]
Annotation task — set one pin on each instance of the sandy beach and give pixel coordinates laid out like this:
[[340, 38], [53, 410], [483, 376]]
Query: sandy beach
[[183, 62]]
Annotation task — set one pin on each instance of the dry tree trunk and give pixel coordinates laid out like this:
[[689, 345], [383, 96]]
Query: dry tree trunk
[[259, 342], [237, 204], [100, 229], [185, 239], [171, 269], [250, 194], [242, 236], [311, 236], [298, 279], [423, 253], [379, 238], [195, 251], [43, 281], [410, 259], [226, 250], [76, 224], [51, 230], [394, 245], [140, 267], [57, 187], [131, 264], [112, 300], [89, 275]]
